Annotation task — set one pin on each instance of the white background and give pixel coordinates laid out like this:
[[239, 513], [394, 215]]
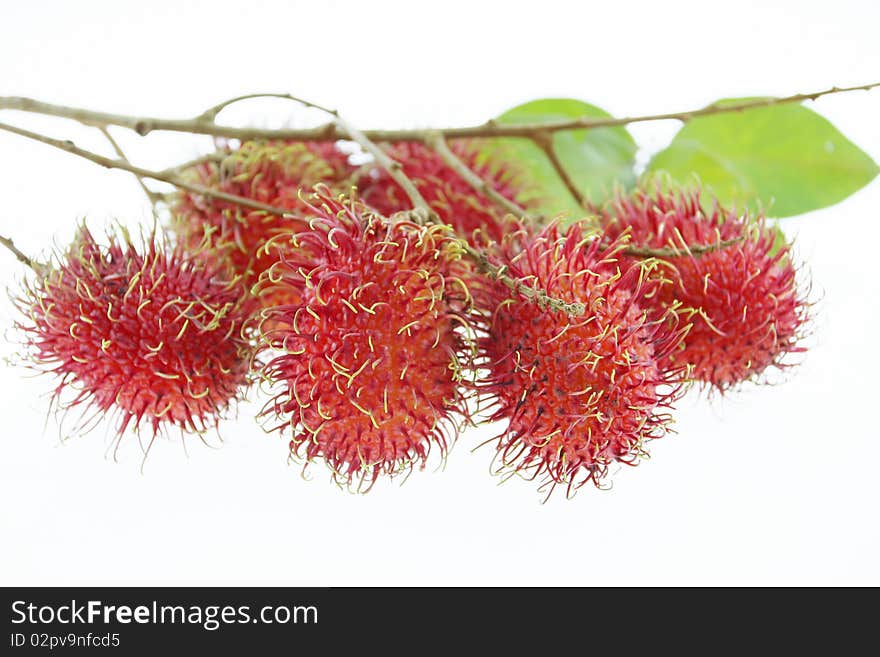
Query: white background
[[775, 485]]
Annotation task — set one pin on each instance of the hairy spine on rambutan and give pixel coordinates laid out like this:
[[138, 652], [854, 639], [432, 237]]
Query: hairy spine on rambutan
[[271, 172], [365, 358], [576, 393], [152, 335], [743, 301], [469, 212]]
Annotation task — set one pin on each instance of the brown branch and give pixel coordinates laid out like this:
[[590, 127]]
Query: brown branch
[[9, 244], [436, 142], [544, 141], [333, 131], [109, 163]]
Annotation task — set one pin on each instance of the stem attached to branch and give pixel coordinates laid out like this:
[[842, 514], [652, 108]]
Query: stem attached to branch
[[424, 212], [437, 143], [333, 131], [544, 141], [534, 295]]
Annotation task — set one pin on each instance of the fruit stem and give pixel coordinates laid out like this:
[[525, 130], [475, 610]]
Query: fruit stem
[[677, 251], [9, 244], [544, 140], [437, 143]]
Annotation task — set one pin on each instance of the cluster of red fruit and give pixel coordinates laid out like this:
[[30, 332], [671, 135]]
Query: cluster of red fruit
[[380, 339]]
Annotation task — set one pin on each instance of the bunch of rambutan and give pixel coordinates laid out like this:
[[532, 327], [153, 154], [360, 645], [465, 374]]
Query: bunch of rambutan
[[379, 338]]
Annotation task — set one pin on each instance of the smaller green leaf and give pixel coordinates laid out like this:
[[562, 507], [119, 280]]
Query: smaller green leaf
[[597, 159], [785, 158]]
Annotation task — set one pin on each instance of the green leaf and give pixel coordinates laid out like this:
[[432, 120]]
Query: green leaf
[[597, 160], [786, 159]]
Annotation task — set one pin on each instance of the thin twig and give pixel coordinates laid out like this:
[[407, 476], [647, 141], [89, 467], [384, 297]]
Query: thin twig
[[152, 197], [677, 251], [333, 131], [544, 141], [424, 212], [109, 163], [534, 295], [499, 273], [9, 244], [436, 142], [211, 113]]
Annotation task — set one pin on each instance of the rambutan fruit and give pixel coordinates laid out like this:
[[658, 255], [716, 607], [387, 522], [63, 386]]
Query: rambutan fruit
[[469, 212], [151, 335], [744, 302], [370, 348], [576, 393], [271, 172]]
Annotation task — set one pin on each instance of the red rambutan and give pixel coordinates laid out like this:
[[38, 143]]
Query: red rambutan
[[469, 212], [272, 173], [151, 335], [743, 300], [370, 347], [577, 393]]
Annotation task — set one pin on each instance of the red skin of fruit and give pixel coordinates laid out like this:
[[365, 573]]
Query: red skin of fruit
[[743, 301], [272, 173], [469, 212], [577, 393], [150, 335], [370, 354]]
